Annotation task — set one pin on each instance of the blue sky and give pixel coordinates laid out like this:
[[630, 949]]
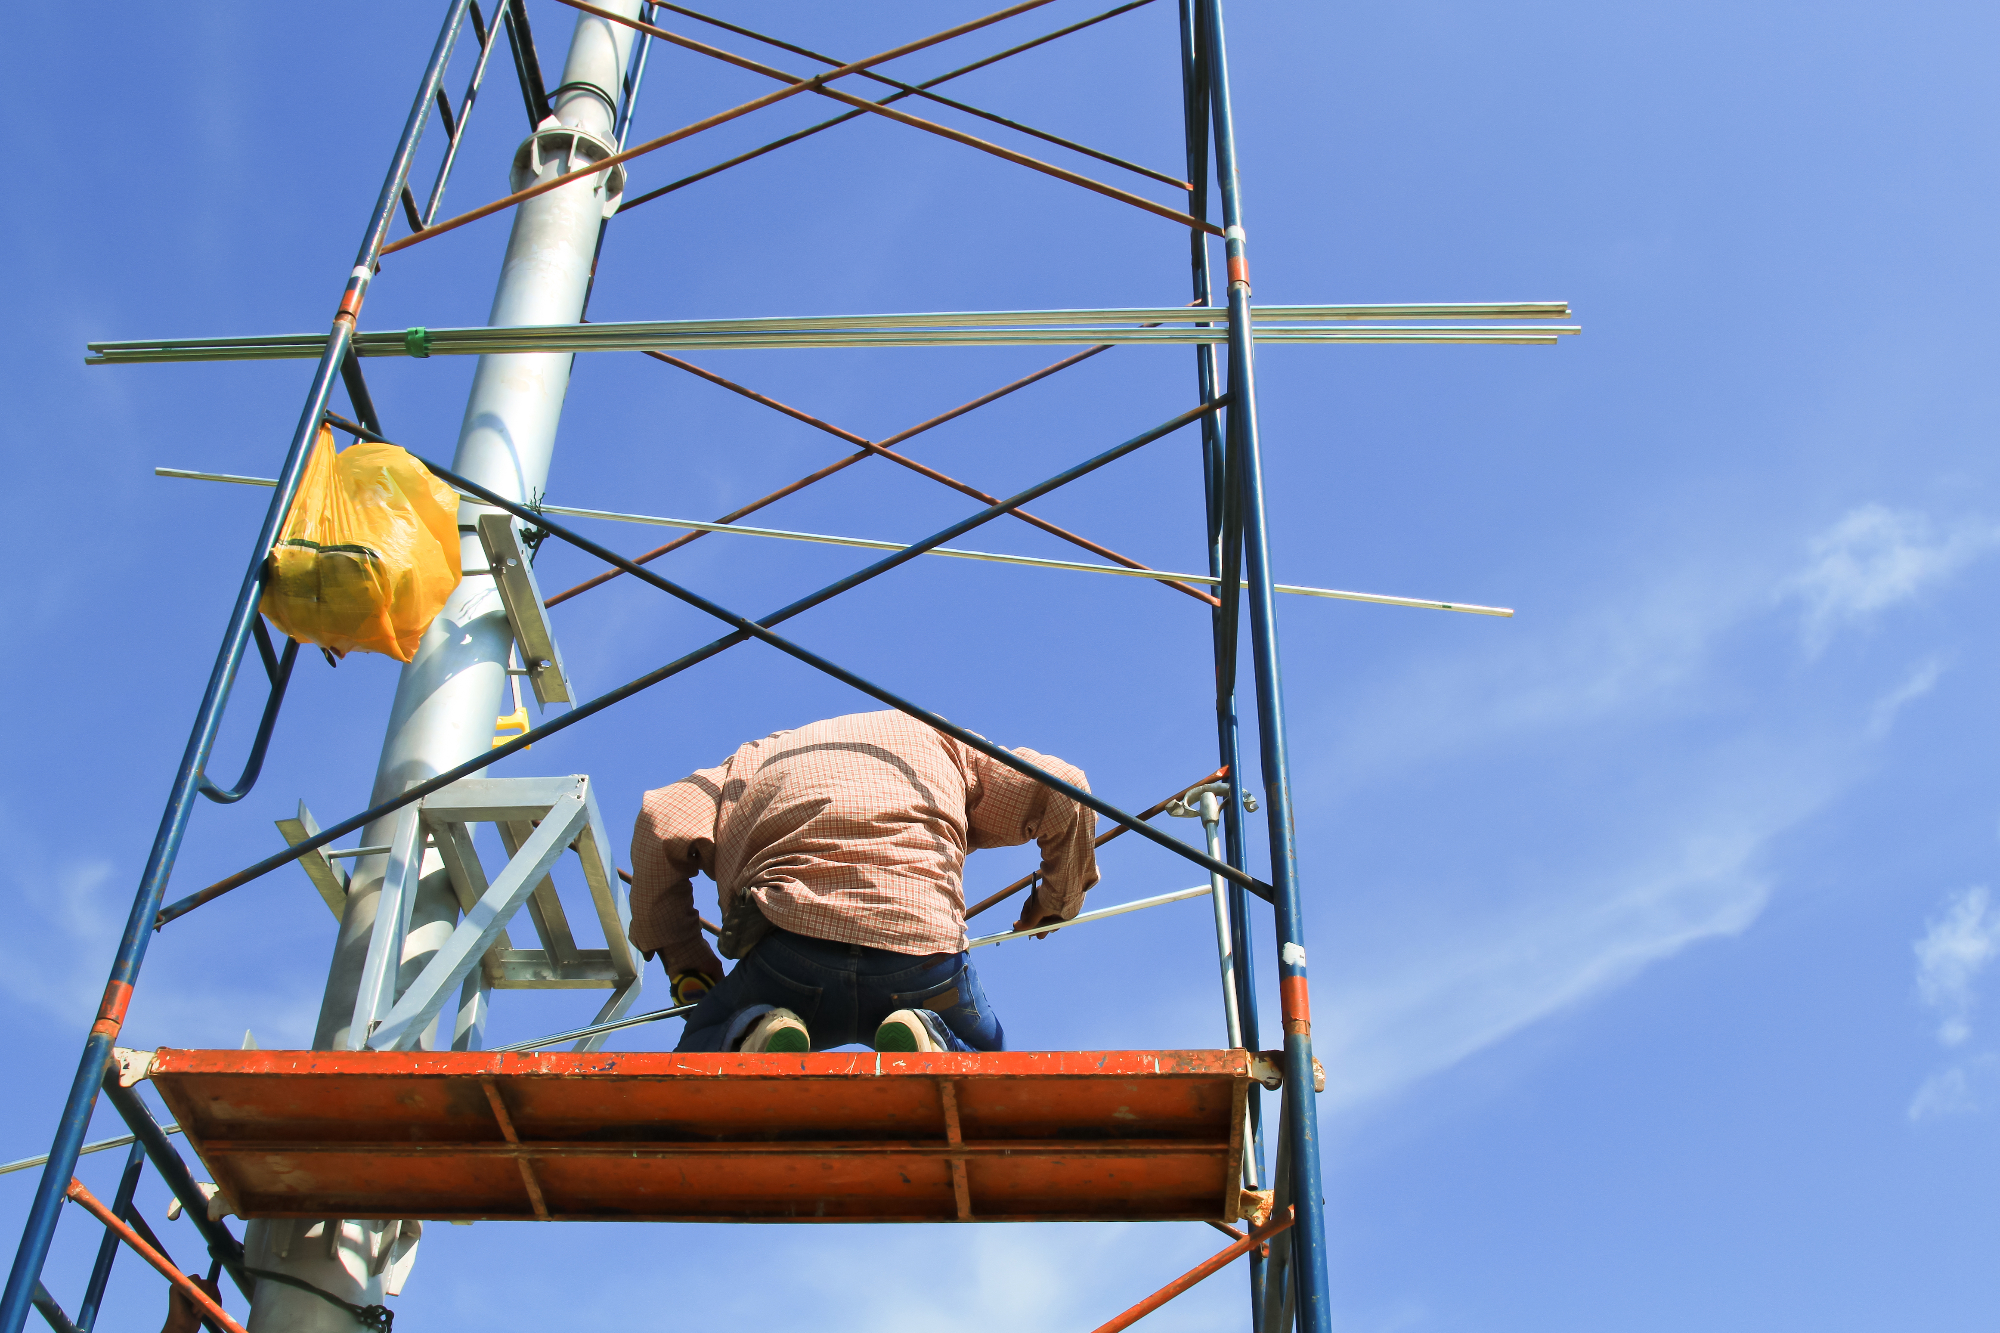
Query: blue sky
[[1651, 937]]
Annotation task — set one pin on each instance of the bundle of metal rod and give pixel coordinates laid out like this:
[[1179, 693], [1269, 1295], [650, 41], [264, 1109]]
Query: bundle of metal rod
[[991, 328]]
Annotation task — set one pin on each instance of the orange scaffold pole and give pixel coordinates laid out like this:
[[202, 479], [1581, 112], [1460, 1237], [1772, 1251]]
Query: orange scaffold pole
[[1207, 1269], [123, 1230]]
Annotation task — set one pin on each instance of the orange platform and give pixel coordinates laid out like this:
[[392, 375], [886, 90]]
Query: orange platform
[[654, 1136]]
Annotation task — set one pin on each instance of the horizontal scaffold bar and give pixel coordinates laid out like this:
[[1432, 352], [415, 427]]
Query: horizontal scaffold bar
[[978, 328]]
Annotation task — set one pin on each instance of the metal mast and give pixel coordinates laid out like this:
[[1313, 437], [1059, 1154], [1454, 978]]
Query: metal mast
[[449, 694]]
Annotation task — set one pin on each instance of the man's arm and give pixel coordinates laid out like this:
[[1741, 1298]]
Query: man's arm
[[673, 838], [1014, 808]]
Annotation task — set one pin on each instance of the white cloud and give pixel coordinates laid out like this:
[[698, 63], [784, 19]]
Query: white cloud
[[1954, 950], [1871, 559], [1671, 681], [1921, 681], [1448, 997], [1961, 1089]]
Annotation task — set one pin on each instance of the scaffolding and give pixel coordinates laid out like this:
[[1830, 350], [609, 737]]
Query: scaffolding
[[380, 1128]]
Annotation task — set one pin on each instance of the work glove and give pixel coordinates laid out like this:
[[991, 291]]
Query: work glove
[[689, 987]]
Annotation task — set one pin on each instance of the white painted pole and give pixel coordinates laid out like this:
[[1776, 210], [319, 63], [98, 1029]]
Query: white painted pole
[[449, 696]]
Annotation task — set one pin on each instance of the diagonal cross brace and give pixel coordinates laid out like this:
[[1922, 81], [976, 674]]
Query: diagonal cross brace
[[438, 983]]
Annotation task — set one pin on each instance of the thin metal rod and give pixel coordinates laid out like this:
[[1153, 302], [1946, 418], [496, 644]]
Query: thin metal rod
[[107, 1249], [1194, 1275], [916, 90], [707, 122], [39, 1231], [927, 95], [51, 1311], [527, 62], [577, 1034], [628, 107], [866, 543], [168, 1269], [102, 1145], [1315, 1312], [358, 396], [1225, 938], [1102, 838], [923, 470], [1138, 904], [831, 468], [811, 130], [417, 791]]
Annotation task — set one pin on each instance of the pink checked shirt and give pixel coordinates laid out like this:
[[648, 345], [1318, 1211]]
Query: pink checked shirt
[[852, 829]]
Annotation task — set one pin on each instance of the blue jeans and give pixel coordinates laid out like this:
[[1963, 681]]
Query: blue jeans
[[842, 992]]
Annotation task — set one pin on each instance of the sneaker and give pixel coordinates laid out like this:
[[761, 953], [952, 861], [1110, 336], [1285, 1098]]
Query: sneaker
[[911, 1030], [780, 1032]]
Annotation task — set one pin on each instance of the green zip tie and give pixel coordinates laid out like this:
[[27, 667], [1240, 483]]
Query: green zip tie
[[417, 342]]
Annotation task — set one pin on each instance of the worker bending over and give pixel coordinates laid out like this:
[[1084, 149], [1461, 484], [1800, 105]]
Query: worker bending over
[[838, 855]]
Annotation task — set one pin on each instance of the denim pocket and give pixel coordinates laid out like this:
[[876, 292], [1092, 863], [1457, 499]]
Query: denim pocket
[[953, 996], [771, 986]]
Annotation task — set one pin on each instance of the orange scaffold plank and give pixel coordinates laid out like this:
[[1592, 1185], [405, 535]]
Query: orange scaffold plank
[[656, 1136]]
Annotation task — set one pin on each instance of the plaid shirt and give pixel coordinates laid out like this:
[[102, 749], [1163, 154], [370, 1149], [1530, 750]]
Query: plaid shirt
[[852, 829]]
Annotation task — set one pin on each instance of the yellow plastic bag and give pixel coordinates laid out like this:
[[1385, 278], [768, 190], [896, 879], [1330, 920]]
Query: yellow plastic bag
[[369, 553]]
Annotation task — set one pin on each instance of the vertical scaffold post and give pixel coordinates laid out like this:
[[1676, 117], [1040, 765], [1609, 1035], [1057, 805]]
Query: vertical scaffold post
[[42, 1215], [1224, 546], [1299, 1108]]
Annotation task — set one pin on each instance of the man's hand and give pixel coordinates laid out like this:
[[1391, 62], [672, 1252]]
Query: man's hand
[[1034, 914], [689, 987]]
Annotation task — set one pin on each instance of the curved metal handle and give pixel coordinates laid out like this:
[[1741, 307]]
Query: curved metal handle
[[279, 669]]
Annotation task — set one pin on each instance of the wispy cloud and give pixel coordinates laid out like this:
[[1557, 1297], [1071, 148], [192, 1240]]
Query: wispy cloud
[[1703, 748], [1952, 953], [1872, 559], [1594, 928], [1922, 679], [66, 914]]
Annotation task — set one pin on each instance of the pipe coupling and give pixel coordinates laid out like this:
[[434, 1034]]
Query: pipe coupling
[[567, 149]]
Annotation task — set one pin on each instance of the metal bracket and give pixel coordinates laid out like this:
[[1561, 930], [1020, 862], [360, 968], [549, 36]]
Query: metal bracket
[[526, 616], [133, 1066], [539, 820], [328, 878], [1268, 1068]]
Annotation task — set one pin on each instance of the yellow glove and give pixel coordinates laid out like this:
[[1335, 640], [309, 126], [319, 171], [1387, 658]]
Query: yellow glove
[[689, 987]]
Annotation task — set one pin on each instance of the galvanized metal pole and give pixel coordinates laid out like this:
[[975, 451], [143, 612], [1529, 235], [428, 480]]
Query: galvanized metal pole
[[24, 1277], [1300, 1109], [449, 695]]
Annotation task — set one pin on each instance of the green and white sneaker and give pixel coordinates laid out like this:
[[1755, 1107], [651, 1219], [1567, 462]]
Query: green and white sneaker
[[911, 1030], [780, 1032]]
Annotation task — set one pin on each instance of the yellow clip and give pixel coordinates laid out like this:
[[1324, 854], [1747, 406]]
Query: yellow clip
[[516, 722]]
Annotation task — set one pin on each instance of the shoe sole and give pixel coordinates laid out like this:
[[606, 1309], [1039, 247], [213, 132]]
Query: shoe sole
[[898, 1037], [788, 1041]]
